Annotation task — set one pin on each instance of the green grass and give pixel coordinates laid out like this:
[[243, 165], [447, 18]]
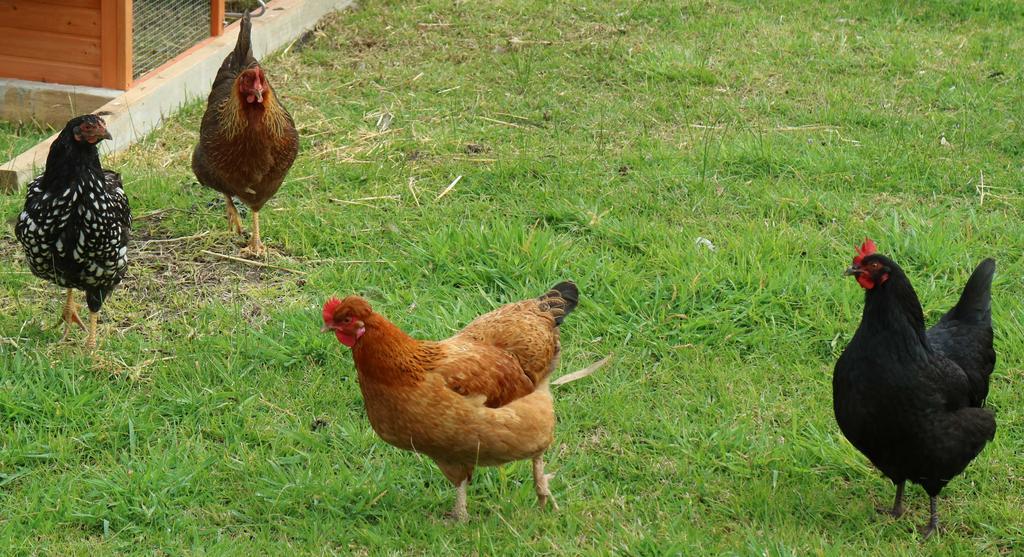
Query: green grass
[[16, 138], [596, 141]]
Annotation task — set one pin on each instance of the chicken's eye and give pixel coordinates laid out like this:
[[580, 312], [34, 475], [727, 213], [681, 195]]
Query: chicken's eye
[[347, 320]]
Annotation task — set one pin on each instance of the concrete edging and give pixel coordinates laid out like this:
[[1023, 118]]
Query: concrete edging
[[51, 104]]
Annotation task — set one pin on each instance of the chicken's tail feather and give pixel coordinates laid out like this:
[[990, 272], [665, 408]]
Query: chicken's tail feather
[[570, 377], [975, 303], [561, 300], [243, 48]]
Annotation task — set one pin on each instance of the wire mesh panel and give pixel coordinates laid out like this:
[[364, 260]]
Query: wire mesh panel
[[163, 29]]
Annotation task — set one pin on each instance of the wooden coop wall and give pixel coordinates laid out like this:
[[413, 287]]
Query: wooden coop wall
[[75, 42]]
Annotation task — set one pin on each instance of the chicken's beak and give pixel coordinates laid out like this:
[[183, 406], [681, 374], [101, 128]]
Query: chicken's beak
[[94, 135], [259, 94], [324, 329], [853, 270]]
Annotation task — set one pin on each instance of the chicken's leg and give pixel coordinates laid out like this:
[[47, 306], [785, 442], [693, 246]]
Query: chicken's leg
[[255, 247], [70, 315], [897, 505], [459, 475], [540, 481], [90, 341], [933, 521], [459, 512], [234, 221]]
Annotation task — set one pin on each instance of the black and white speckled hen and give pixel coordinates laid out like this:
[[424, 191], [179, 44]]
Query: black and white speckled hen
[[247, 140], [76, 221], [912, 399]]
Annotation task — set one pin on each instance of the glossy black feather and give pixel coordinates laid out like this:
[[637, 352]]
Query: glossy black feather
[[964, 334], [563, 298], [75, 224], [900, 399]]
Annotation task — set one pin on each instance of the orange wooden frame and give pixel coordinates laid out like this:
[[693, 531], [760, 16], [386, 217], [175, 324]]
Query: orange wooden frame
[[116, 43], [216, 18]]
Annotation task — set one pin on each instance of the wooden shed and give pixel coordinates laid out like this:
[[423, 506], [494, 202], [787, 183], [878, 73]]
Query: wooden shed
[[94, 42]]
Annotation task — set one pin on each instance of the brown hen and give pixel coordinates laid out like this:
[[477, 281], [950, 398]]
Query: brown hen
[[247, 140]]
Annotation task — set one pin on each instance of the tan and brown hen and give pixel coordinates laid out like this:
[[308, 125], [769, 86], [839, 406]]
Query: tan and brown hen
[[479, 398]]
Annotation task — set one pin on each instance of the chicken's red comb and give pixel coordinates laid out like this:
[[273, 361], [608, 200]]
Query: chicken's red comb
[[865, 249], [330, 307]]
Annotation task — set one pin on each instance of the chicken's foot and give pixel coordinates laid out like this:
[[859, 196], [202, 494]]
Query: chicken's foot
[[70, 315], [255, 247], [234, 221], [897, 505], [459, 512], [90, 341], [933, 521], [540, 481]]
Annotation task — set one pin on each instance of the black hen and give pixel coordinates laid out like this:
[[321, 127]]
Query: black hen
[[911, 399], [76, 221]]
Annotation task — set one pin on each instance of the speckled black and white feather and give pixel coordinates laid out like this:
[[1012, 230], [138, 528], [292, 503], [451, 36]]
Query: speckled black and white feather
[[76, 220]]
